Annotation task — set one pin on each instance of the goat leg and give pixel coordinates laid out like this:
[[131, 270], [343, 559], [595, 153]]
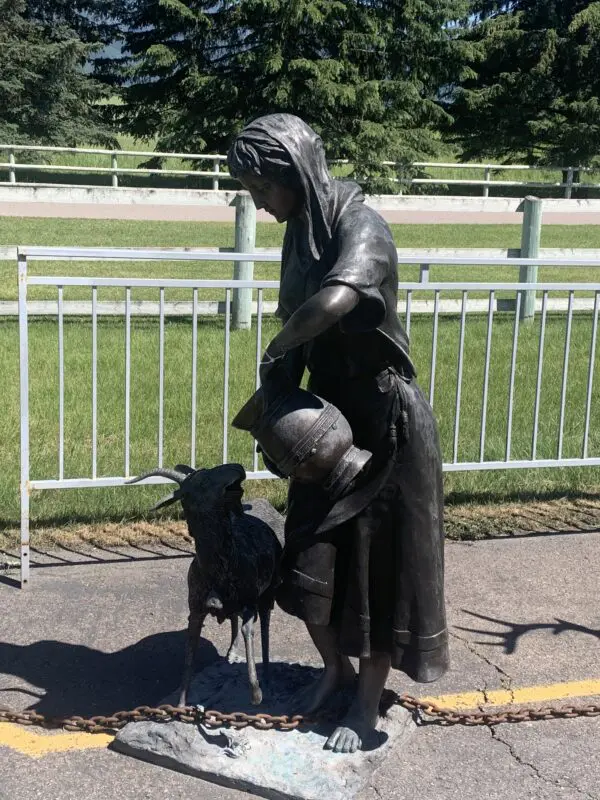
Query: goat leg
[[248, 619], [265, 621], [233, 654], [195, 623]]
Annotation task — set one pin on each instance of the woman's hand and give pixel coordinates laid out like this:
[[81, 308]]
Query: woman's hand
[[271, 357], [314, 317]]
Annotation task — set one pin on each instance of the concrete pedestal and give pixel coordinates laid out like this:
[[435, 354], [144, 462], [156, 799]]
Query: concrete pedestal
[[272, 764]]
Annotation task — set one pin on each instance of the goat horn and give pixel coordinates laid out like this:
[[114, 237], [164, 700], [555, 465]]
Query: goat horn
[[163, 472]]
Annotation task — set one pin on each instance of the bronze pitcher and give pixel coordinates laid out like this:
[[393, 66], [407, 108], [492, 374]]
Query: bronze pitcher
[[307, 438]]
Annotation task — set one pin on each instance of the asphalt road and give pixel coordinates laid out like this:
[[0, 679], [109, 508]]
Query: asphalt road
[[108, 634]]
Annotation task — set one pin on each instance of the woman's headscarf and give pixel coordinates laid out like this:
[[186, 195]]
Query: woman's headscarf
[[286, 149]]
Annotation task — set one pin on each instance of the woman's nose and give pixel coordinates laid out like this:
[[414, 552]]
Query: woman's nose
[[258, 201]]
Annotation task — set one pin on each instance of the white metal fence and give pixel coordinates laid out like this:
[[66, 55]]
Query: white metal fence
[[502, 405], [568, 178]]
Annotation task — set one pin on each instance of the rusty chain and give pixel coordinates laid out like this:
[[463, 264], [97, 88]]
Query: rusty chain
[[239, 719]]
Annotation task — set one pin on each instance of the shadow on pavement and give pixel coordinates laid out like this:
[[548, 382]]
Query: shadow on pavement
[[74, 679], [509, 639]]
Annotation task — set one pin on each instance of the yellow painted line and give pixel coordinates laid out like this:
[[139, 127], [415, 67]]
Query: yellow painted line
[[36, 744], [530, 694]]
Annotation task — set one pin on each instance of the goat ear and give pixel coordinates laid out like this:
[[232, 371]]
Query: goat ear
[[184, 469], [167, 501], [231, 476]]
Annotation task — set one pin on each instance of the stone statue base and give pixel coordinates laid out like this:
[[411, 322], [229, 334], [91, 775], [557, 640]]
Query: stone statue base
[[271, 764]]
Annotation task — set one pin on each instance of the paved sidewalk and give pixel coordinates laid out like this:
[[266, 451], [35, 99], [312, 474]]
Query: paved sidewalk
[[108, 634], [204, 213]]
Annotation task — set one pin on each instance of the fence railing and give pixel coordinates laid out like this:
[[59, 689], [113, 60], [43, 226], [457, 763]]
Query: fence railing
[[568, 181], [14, 167], [472, 370]]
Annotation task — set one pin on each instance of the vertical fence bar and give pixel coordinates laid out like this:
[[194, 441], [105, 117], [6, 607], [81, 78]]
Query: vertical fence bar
[[540, 370], [24, 415], [12, 174], [563, 392], [161, 372], [486, 375], [408, 309], [461, 347], [226, 373], [513, 366], [259, 317], [424, 273], [217, 171], [194, 376], [127, 377], [434, 340], [94, 382], [115, 175], [61, 387], [590, 381]]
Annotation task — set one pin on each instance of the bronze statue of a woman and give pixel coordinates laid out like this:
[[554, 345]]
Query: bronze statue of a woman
[[337, 301]]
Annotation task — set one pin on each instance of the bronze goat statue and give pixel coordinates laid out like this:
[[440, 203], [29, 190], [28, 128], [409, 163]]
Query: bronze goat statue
[[234, 572]]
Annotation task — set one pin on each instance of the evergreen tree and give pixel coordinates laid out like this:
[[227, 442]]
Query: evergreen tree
[[93, 21], [45, 96], [536, 82], [366, 75]]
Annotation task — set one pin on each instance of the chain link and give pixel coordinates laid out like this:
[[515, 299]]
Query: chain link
[[238, 719], [446, 716]]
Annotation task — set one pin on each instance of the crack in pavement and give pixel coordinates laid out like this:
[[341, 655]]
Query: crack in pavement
[[535, 770], [505, 678]]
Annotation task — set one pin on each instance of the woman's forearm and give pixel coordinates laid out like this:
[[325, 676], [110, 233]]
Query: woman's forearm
[[319, 313]]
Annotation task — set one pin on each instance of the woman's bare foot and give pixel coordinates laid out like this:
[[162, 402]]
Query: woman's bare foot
[[359, 724], [334, 677], [355, 730]]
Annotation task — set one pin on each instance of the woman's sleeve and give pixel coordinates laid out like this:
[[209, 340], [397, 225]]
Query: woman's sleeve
[[365, 256]]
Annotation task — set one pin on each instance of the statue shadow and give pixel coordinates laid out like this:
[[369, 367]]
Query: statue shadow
[[59, 679], [64, 679], [509, 639]]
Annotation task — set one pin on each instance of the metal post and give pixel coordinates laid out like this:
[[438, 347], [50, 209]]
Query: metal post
[[569, 183], [486, 177], [245, 238], [24, 402], [115, 176], [530, 248], [12, 177], [217, 171]]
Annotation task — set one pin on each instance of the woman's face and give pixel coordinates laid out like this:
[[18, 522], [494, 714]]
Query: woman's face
[[279, 200]]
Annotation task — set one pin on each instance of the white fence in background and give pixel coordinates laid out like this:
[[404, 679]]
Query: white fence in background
[[568, 177], [452, 458]]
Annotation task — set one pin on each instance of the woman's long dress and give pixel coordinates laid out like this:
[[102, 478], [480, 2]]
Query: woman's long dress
[[362, 366]]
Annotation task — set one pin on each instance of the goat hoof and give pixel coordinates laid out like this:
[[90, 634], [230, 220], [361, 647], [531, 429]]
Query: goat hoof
[[233, 657], [256, 696]]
